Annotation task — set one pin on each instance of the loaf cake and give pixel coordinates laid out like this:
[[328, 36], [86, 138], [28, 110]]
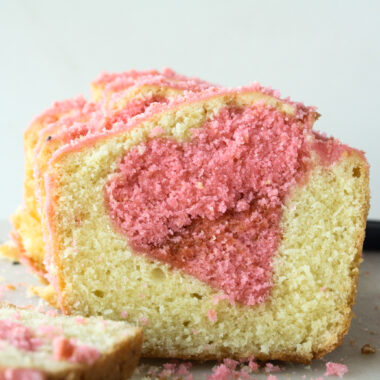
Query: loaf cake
[[46, 346], [215, 218]]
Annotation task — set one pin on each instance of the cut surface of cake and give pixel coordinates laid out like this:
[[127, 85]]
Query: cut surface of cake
[[44, 346], [215, 218]]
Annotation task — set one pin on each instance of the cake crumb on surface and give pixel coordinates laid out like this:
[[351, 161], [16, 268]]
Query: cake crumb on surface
[[368, 349], [335, 369], [269, 367]]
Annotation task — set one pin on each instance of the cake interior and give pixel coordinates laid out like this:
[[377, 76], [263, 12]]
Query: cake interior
[[313, 272]]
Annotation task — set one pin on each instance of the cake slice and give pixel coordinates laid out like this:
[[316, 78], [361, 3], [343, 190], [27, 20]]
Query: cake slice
[[44, 346], [118, 97], [221, 222], [215, 218]]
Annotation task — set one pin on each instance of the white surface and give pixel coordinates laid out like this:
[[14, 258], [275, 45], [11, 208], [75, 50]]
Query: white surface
[[365, 327], [324, 53]]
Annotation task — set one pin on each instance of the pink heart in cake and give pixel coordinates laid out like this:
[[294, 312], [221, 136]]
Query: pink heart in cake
[[212, 206]]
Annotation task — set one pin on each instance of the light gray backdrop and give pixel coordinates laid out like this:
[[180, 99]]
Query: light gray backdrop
[[324, 53]]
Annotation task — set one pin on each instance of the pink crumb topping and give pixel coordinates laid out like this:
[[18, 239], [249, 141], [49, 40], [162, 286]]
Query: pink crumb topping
[[68, 349], [21, 374], [329, 149], [124, 80], [335, 369], [171, 370], [212, 206], [87, 118], [272, 377], [18, 335]]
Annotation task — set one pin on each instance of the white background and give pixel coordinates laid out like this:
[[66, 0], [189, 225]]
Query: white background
[[324, 53]]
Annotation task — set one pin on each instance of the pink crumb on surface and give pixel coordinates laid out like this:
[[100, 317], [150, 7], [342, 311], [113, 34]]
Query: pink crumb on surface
[[335, 369], [272, 377], [169, 369], [183, 370], [269, 367], [68, 349], [226, 231], [18, 335], [230, 363], [221, 372], [252, 364]]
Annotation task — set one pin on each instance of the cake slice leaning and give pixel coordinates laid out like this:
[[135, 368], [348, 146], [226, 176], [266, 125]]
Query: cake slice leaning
[[222, 223], [47, 346]]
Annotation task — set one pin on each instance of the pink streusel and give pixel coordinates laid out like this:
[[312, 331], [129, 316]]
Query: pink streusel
[[68, 349], [18, 335], [335, 369]]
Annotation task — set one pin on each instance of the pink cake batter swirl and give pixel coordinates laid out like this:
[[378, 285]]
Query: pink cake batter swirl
[[212, 206]]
